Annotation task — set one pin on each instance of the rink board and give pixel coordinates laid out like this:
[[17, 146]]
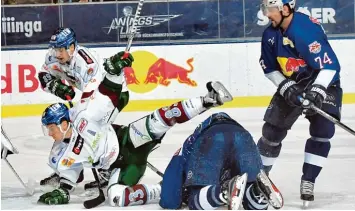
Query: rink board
[[187, 67]]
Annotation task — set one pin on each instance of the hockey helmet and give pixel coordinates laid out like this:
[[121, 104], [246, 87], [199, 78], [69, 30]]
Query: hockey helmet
[[63, 38], [267, 4], [55, 114]]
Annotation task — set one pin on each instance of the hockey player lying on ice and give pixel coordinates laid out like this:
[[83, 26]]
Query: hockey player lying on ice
[[218, 165]]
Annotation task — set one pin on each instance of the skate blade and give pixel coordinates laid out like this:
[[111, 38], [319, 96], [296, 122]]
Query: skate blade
[[238, 192], [305, 204], [222, 91], [275, 197]]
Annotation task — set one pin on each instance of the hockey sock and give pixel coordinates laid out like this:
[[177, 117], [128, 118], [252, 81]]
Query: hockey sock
[[206, 198], [316, 153]]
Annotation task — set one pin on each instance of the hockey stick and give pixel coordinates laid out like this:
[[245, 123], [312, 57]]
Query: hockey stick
[[91, 203], [307, 104], [133, 28], [30, 187], [155, 169]]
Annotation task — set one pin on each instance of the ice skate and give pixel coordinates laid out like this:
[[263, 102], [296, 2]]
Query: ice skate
[[306, 191], [217, 95], [268, 188], [233, 191]]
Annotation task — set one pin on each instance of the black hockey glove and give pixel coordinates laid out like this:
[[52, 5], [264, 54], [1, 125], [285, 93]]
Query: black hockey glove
[[61, 90], [315, 95], [290, 90], [116, 63]]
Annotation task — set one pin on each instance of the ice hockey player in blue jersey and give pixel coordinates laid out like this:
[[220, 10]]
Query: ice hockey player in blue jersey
[[219, 164], [297, 57]]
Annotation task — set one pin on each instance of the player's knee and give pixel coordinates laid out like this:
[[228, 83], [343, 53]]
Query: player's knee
[[273, 135], [322, 128], [115, 194]]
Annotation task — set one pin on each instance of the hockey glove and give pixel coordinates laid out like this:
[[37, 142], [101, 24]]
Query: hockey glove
[[290, 90], [116, 63], [58, 196], [315, 95], [61, 90]]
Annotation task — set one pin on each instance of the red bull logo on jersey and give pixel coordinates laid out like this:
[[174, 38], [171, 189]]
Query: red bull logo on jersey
[[291, 65], [148, 72]]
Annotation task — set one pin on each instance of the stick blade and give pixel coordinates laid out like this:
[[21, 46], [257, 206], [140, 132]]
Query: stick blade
[[91, 203]]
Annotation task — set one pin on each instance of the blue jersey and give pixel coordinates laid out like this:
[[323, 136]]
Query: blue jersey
[[176, 172], [300, 52]]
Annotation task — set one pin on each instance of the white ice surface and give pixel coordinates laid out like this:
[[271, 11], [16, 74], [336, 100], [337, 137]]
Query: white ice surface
[[335, 187]]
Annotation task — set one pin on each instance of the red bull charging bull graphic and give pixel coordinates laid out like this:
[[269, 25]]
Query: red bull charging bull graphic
[[291, 65], [148, 72]]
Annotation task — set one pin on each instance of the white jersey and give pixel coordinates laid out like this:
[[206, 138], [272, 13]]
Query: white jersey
[[90, 143], [84, 71]]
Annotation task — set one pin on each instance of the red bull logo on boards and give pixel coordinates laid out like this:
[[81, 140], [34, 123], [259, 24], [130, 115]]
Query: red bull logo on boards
[[148, 71]]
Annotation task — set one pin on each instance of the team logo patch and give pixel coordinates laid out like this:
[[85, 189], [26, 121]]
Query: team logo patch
[[315, 47], [68, 162], [90, 71], [86, 57], [82, 125], [78, 145]]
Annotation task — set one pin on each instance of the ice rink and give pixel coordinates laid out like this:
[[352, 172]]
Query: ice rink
[[335, 187]]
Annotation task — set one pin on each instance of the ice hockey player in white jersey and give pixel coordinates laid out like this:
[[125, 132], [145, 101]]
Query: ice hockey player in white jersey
[[66, 60], [81, 68], [123, 150]]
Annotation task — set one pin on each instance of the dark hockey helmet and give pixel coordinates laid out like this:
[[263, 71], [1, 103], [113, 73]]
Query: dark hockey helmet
[[55, 114], [63, 38]]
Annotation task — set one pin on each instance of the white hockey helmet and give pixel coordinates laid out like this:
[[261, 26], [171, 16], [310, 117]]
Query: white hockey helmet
[[268, 4]]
